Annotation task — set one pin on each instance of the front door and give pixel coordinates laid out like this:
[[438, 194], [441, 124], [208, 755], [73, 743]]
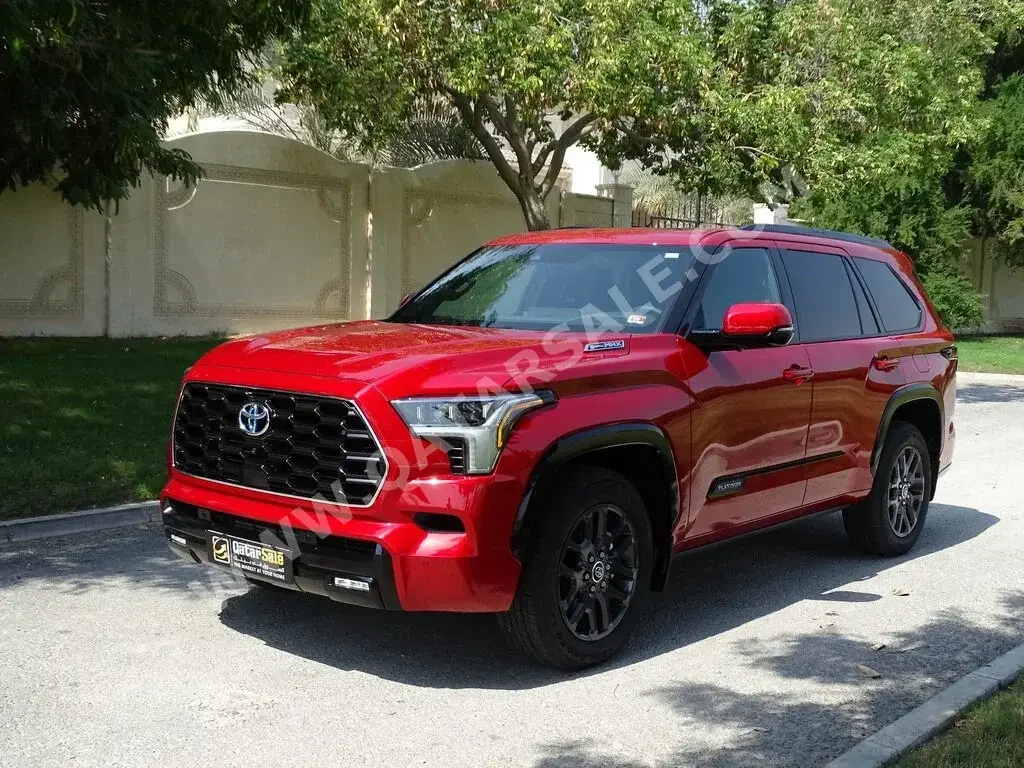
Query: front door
[[749, 428]]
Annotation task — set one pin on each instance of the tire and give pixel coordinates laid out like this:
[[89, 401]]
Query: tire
[[869, 524], [558, 572]]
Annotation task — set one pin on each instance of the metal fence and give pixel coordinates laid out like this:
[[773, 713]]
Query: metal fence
[[691, 212]]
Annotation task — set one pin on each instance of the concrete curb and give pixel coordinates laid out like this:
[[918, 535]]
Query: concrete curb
[[977, 377], [79, 522], [935, 715]]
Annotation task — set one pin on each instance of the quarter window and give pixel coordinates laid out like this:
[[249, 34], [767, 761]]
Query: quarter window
[[744, 275], [825, 304], [898, 308]]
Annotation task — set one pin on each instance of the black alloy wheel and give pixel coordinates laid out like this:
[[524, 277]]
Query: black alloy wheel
[[598, 572]]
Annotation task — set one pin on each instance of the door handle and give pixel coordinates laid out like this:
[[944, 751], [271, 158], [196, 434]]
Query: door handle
[[797, 375], [885, 363]]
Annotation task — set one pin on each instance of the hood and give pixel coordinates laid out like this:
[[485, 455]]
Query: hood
[[403, 359]]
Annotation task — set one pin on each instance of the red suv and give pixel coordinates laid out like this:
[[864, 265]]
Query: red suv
[[541, 429]]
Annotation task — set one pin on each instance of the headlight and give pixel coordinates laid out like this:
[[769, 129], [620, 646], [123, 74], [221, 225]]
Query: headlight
[[483, 424]]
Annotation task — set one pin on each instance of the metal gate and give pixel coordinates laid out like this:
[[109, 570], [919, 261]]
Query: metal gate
[[691, 212]]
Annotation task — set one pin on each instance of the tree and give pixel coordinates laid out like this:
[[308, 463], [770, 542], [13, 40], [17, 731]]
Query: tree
[[867, 104], [992, 173], [87, 86], [528, 78], [432, 133], [865, 101]]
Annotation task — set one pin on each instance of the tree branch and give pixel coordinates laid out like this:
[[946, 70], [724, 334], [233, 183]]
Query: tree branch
[[755, 150], [569, 137], [508, 124], [556, 151], [473, 117], [634, 134]]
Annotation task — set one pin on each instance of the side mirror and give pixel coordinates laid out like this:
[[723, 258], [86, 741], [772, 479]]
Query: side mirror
[[758, 325]]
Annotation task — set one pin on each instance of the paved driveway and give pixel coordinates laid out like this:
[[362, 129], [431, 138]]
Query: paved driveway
[[111, 652]]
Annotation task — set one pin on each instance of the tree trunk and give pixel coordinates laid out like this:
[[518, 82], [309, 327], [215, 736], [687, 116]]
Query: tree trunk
[[535, 210]]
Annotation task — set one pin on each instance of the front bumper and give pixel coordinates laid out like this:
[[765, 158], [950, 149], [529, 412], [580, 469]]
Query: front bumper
[[409, 568], [464, 566], [320, 561]]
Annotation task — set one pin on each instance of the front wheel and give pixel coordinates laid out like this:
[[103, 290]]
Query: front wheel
[[585, 573], [889, 521]]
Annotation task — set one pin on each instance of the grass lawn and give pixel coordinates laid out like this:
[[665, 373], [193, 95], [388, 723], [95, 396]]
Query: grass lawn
[[84, 422], [992, 354], [989, 736]]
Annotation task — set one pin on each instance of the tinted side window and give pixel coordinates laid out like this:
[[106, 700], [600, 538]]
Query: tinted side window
[[825, 304], [896, 305], [867, 319], [745, 275]]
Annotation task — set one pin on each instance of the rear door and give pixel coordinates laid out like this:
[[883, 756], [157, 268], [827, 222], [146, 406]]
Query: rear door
[[854, 364], [749, 429]]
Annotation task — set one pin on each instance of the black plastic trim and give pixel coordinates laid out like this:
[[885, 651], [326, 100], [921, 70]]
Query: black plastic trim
[[742, 476], [596, 439], [856, 276], [757, 531], [318, 561], [902, 396], [831, 234]]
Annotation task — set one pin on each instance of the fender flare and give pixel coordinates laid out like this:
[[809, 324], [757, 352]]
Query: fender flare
[[595, 439], [902, 396]]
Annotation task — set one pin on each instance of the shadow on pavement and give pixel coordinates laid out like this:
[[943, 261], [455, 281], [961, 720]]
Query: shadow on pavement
[[989, 393], [785, 729], [710, 592], [136, 555]]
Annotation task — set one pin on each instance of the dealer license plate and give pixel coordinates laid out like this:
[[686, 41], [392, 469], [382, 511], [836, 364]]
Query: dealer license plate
[[251, 558]]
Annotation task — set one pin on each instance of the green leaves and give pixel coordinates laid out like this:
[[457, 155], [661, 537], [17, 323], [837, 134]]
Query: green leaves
[[528, 77], [87, 86], [995, 176], [955, 299], [868, 102]]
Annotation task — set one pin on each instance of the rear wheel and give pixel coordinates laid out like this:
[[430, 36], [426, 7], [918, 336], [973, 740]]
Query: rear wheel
[[585, 572], [890, 519]]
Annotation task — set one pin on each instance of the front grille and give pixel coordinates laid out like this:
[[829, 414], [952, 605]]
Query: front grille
[[315, 446]]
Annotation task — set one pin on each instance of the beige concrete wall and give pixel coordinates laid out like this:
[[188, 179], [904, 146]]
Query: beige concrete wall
[[51, 263], [587, 210], [278, 234], [1002, 288], [423, 220], [274, 236]]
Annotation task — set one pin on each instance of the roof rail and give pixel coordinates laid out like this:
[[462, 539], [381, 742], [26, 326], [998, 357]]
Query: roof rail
[[794, 229]]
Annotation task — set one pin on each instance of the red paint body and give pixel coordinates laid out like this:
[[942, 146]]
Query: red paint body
[[725, 412]]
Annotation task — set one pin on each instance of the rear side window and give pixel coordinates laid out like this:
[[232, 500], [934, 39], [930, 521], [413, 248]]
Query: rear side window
[[825, 304], [867, 317], [897, 306], [744, 275]]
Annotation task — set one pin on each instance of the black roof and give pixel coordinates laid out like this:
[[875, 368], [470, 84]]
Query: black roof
[[794, 229]]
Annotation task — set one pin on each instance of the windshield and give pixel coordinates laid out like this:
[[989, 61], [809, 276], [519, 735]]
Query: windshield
[[578, 287]]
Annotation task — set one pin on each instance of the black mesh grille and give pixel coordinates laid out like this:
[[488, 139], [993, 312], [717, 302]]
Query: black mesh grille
[[315, 446]]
